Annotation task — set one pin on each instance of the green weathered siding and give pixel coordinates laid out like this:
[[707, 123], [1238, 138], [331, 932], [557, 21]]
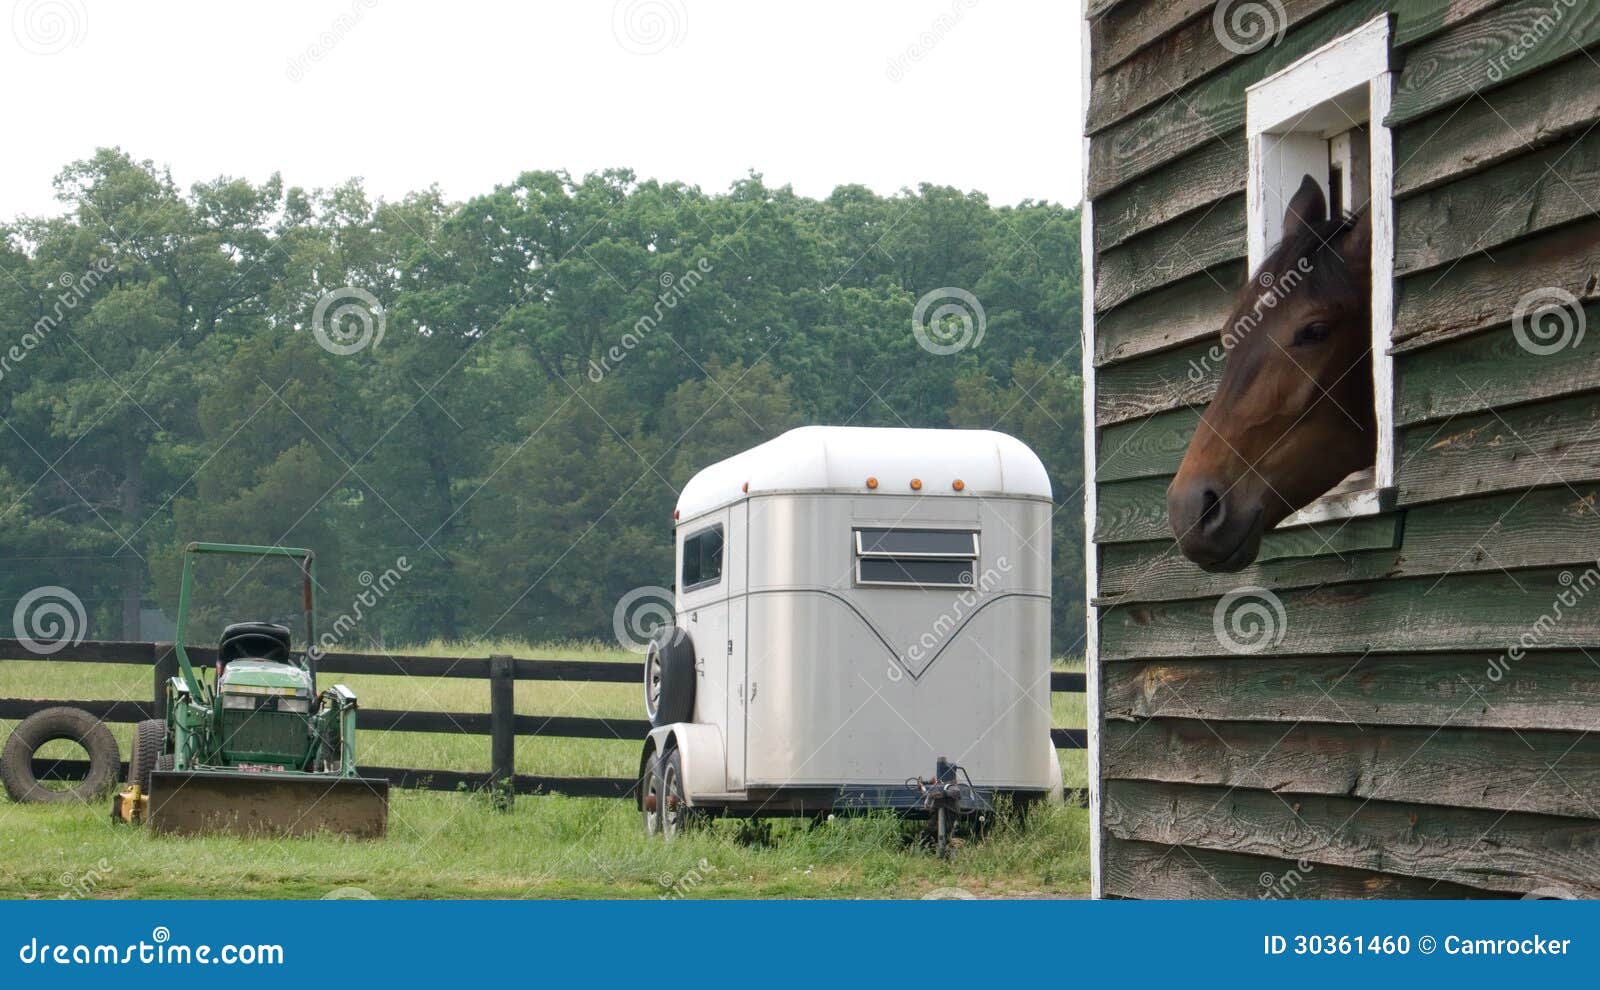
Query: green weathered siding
[[1399, 738]]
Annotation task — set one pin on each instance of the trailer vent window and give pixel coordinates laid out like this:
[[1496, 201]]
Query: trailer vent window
[[702, 559], [917, 558]]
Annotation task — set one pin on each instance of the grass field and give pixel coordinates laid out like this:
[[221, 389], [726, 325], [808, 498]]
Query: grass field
[[457, 845]]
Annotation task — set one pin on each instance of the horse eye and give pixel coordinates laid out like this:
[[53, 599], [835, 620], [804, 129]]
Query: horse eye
[[1312, 333]]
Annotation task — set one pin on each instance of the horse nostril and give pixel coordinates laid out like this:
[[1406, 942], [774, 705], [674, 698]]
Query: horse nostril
[[1213, 511]]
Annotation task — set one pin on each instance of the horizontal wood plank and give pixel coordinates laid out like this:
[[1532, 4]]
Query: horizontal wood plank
[[1494, 368], [1145, 448], [1193, 51], [1322, 553], [1462, 138], [1155, 871], [1504, 203], [1553, 526], [1132, 511], [1493, 769], [1115, 35], [1215, 106], [1192, 183], [1523, 447], [1188, 310], [1482, 291], [1540, 691], [1491, 611], [1186, 246], [1511, 853], [1183, 376], [1489, 50]]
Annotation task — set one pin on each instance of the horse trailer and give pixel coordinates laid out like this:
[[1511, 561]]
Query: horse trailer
[[855, 608]]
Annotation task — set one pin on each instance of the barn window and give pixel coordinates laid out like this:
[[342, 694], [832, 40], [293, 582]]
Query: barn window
[[916, 558], [1323, 116], [702, 559]]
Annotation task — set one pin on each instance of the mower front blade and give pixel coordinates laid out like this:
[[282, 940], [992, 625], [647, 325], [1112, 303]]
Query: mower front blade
[[192, 802]]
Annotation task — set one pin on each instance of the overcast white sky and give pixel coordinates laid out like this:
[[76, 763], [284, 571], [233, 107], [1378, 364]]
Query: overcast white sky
[[979, 94]]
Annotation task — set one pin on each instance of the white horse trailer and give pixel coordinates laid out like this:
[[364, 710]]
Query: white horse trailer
[[854, 608]]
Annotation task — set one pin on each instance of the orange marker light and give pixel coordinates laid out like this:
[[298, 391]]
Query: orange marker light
[[746, 488], [872, 482], [916, 484], [674, 515], [959, 485]]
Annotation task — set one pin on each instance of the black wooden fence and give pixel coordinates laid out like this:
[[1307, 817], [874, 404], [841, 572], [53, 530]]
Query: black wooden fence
[[501, 723]]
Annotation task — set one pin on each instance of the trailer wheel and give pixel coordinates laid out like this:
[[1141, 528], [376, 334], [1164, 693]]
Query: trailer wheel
[[676, 815], [16, 761], [669, 678], [650, 803], [149, 739]]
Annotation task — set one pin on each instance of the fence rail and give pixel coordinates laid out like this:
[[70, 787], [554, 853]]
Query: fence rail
[[501, 723]]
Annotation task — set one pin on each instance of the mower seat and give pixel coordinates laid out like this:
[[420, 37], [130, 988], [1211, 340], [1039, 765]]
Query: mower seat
[[253, 641]]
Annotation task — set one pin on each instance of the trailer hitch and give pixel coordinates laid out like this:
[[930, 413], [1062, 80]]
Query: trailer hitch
[[944, 798]]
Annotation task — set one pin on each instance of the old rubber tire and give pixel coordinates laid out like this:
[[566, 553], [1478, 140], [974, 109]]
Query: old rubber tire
[[675, 703], [16, 761], [149, 738]]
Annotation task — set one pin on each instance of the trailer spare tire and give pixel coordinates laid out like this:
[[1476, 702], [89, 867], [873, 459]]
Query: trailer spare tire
[[16, 760], [669, 677]]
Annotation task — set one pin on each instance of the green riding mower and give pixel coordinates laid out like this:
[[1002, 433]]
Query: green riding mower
[[256, 749]]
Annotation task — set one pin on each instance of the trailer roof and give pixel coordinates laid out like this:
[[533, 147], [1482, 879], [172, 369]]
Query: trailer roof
[[842, 458]]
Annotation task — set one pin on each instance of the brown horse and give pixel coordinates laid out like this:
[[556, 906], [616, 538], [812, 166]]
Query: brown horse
[[1293, 413]]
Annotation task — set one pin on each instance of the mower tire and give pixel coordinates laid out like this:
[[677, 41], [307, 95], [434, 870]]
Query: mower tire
[[149, 738]]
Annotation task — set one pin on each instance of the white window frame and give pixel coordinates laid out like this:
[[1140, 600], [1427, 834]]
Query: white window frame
[[1290, 118]]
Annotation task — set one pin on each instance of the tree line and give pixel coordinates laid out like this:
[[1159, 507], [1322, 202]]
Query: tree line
[[479, 413]]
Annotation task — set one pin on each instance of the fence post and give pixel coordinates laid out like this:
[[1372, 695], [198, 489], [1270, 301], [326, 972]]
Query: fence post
[[502, 730], [166, 668]]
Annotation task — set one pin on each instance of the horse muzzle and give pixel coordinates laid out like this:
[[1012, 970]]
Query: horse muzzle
[[1217, 527]]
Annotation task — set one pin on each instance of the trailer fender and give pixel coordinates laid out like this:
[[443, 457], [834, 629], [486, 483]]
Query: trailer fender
[[700, 748], [1055, 792]]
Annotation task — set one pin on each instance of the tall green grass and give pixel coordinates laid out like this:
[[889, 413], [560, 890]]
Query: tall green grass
[[450, 845]]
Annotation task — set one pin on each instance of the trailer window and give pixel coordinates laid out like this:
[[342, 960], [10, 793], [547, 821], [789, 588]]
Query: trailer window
[[917, 558], [702, 559]]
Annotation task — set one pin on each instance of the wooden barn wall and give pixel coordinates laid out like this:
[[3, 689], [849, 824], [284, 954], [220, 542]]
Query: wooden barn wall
[[1372, 752]]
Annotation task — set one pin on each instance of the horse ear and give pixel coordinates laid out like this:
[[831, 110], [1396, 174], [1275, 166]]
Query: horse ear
[[1306, 207], [1356, 246]]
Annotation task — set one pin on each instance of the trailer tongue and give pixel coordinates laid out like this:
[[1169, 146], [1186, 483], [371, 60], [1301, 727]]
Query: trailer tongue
[[257, 751]]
